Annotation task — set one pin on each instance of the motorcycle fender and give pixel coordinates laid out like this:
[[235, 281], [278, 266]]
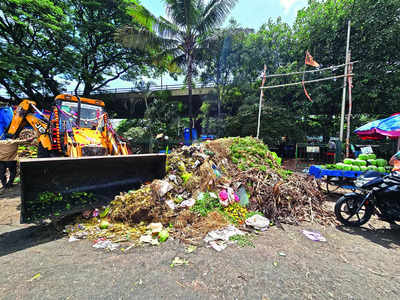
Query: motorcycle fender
[[350, 195]]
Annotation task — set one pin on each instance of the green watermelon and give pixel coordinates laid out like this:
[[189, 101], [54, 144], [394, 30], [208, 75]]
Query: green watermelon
[[372, 168], [363, 156], [363, 168], [360, 162], [380, 162], [339, 166], [381, 169], [371, 156], [372, 162], [347, 167], [348, 161], [355, 168]]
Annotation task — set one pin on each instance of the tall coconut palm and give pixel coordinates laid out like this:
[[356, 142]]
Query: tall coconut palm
[[181, 35]]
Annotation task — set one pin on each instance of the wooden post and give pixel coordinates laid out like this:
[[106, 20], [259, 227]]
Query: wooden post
[[350, 81], [261, 100]]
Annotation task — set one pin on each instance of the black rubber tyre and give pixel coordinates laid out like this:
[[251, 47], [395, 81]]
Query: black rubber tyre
[[345, 211]]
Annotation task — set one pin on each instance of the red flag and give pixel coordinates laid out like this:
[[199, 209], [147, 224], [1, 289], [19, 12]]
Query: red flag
[[310, 61]]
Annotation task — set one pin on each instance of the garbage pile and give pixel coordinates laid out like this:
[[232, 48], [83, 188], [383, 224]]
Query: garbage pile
[[27, 151], [212, 185]]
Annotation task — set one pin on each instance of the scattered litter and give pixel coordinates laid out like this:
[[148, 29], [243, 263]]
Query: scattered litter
[[161, 187], [314, 236], [258, 222], [218, 239], [173, 178], [86, 214], [95, 213], [163, 235], [213, 195], [196, 164], [281, 253], [187, 203], [244, 198], [68, 229], [105, 244], [218, 245], [105, 212], [72, 238], [155, 227], [170, 204], [190, 249], [179, 262], [149, 240], [104, 224], [36, 276], [223, 198]]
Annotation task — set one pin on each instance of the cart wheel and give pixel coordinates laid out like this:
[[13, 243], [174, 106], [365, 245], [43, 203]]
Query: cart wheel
[[327, 185]]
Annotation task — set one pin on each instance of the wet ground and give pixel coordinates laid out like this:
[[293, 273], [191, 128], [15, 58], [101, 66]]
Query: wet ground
[[362, 263]]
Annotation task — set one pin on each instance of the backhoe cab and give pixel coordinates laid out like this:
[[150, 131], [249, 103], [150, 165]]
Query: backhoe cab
[[76, 127]]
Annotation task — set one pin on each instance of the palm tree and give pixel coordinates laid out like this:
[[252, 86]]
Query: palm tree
[[181, 35]]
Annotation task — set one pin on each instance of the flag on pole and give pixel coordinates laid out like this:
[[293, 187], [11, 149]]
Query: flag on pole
[[310, 60]]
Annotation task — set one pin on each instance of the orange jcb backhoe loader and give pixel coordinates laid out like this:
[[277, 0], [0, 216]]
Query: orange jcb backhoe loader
[[82, 161]]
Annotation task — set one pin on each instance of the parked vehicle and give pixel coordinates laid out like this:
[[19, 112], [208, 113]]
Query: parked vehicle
[[378, 195]]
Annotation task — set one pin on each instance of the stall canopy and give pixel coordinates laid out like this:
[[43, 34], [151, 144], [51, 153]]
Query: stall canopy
[[380, 129]]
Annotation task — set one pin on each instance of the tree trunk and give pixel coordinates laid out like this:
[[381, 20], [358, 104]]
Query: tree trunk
[[189, 82], [219, 111]]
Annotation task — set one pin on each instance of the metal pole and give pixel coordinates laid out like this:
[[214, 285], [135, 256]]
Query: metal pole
[[260, 104], [345, 82]]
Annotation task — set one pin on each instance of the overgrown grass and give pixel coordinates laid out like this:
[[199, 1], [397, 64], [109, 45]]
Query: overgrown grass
[[243, 240]]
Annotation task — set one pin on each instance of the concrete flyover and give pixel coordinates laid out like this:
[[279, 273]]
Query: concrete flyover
[[129, 102]]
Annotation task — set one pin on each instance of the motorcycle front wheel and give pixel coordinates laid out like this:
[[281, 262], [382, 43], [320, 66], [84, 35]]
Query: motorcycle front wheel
[[346, 210]]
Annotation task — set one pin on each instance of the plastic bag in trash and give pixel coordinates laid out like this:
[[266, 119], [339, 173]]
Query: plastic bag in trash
[[217, 239], [258, 222], [105, 244]]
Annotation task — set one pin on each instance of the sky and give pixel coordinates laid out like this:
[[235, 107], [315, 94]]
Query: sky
[[249, 13]]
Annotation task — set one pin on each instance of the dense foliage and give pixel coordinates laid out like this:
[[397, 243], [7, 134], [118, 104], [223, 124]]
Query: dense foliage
[[46, 44]]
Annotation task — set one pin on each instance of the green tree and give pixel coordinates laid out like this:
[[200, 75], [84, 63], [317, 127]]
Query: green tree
[[98, 58], [34, 39], [188, 25]]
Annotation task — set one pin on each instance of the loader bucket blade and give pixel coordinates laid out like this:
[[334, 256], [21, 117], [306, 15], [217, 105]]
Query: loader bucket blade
[[57, 187]]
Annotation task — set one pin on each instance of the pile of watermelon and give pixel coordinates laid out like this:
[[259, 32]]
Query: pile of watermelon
[[364, 162]]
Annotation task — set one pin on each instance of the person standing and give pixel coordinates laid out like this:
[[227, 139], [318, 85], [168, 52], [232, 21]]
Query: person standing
[[8, 159], [395, 162]]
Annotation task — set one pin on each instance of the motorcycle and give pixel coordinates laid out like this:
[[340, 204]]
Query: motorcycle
[[379, 194]]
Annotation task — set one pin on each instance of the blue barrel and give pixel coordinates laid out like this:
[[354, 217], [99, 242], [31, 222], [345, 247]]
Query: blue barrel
[[186, 135]]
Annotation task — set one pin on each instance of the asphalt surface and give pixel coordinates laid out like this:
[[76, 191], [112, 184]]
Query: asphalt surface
[[352, 264]]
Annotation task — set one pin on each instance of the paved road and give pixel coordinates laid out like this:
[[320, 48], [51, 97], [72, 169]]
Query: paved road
[[353, 264]]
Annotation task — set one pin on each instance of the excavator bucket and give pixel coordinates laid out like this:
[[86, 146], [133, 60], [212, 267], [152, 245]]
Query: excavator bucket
[[53, 188]]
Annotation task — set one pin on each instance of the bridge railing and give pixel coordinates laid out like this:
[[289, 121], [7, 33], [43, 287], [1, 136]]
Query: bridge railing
[[153, 88]]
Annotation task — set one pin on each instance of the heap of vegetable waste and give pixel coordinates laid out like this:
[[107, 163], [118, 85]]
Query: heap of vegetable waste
[[212, 184]]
